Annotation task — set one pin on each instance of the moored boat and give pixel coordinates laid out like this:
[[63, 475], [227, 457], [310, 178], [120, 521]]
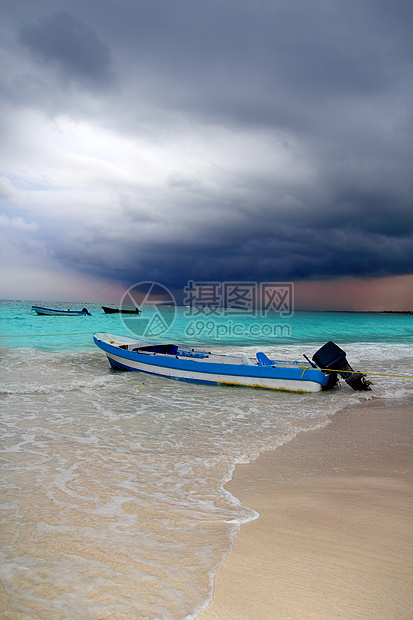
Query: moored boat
[[57, 312], [107, 310], [187, 364]]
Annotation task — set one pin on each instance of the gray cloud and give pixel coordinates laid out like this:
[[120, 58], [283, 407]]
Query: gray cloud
[[210, 140], [72, 46]]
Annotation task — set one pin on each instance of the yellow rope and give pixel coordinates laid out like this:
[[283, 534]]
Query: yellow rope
[[382, 374], [366, 372], [43, 335]]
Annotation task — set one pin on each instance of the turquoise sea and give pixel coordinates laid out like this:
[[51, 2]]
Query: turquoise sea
[[112, 490]]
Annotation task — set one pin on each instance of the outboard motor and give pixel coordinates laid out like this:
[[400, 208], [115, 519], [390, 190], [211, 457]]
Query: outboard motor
[[330, 356]]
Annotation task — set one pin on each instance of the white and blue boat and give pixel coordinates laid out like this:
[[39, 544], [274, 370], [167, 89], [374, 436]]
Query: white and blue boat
[[57, 312], [187, 364]]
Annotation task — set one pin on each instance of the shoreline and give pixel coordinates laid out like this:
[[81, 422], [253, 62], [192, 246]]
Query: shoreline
[[335, 532]]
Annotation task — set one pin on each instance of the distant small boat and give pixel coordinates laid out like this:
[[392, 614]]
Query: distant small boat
[[55, 312], [175, 362], [120, 310]]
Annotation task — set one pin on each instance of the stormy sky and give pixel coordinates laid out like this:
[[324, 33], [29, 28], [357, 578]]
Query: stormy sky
[[241, 140]]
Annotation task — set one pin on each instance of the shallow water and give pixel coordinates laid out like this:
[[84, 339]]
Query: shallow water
[[112, 493]]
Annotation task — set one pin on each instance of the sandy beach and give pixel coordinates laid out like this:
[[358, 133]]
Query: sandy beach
[[335, 532]]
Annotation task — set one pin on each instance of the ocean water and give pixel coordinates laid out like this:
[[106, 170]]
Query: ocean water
[[112, 489]]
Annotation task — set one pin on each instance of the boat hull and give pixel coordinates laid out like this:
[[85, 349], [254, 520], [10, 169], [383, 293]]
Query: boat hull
[[51, 312], [107, 310], [295, 378]]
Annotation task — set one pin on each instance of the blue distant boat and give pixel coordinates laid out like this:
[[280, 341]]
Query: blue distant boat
[[175, 362], [54, 312]]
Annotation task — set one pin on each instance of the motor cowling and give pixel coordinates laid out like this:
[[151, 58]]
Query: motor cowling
[[333, 359]]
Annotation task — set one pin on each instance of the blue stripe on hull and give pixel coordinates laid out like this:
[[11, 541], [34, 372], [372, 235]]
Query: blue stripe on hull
[[117, 366]]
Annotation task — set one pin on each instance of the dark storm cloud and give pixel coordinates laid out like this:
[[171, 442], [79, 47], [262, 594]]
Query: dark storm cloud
[[65, 41], [267, 140], [316, 241]]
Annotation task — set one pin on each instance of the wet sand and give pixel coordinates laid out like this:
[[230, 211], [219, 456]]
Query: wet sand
[[335, 534]]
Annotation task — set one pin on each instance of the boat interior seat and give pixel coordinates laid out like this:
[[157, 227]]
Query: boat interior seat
[[246, 360], [263, 360], [166, 349]]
